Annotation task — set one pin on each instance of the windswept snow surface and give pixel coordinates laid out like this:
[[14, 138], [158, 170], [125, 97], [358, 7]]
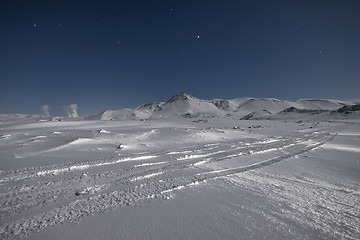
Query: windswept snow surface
[[180, 179]]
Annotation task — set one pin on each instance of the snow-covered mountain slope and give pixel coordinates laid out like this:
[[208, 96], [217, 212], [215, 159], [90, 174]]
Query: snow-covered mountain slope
[[293, 113], [321, 104], [348, 109], [256, 114], [229, 105], [150, 107], [270, 104], [183, 105]]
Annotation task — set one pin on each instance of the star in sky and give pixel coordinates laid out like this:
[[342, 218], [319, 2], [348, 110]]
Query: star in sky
[[64, 47]]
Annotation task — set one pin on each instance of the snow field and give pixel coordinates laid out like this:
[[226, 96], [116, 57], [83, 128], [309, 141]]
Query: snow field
[[159, 161]]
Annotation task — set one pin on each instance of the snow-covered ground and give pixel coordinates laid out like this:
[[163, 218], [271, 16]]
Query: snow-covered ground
[[180, 178]]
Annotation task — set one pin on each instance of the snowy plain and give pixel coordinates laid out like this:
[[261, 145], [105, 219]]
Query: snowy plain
[[180, 178]]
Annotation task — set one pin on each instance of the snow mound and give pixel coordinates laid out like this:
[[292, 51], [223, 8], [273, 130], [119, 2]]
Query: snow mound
[[122, 114], [256, 114]]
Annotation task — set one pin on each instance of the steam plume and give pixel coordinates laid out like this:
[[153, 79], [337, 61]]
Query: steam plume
[[71, 110], [45, 110]]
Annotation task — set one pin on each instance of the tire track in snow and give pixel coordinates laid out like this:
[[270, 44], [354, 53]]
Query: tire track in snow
[[153, 187], [58, 169], [231, 171], [26, 196], [21, 198]]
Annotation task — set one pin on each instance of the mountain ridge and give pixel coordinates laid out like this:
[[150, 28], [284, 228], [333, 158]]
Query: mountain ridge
[[183, 105]]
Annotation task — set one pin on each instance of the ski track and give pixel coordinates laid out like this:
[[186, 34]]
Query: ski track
[[70, 192], [329, 208]]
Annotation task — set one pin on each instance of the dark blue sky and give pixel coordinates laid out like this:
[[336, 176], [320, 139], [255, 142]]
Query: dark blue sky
[[115, 54]]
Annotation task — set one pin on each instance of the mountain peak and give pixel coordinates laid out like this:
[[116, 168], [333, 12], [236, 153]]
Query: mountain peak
[[180, 96]]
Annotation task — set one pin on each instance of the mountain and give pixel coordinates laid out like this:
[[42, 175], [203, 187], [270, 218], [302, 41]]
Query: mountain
[[122, 114], [183, 105]]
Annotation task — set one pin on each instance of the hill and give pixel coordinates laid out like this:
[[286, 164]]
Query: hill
[[183, 105]]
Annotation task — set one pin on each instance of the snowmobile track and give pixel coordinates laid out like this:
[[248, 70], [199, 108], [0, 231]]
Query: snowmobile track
[[67, 193]]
